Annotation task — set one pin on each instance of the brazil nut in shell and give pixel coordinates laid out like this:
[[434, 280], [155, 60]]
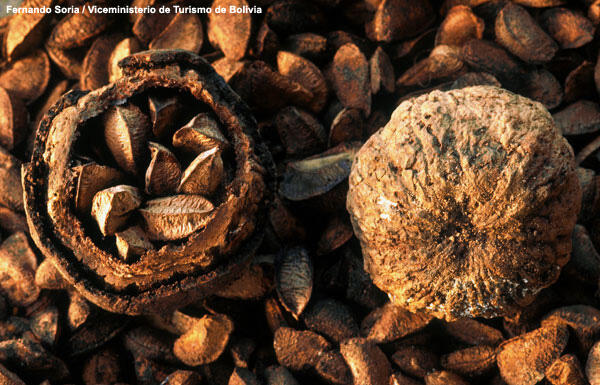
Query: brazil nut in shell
[[464, 203], [172, 248]]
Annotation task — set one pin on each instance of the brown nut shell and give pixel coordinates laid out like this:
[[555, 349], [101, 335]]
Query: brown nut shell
[[464, 202], [177, 273]]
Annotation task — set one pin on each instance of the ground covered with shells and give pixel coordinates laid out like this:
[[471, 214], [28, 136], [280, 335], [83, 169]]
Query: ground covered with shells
[[320, 76]]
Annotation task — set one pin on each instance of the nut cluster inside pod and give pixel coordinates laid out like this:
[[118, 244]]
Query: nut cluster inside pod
[[148, 192]]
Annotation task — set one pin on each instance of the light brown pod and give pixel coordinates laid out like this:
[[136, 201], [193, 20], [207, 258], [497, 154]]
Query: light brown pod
[[388, 323], [126, 130], [163, 173], [204, 175], [205, 341], [78, 28], [13, 120], [28, 77], [581, 117], [470, 362], [351, 80], [132, 242], [94, 72], [25, 30], [175, 217], [305, 73], [402, 246], [17, 270], [183, 32], [91, 178], [459, 26], [200, 134], [368, 364], [230, 32], [399, 19], [123, 49], [10, 189], [294, 280], [569, 28], [163, 113], [566, 371], [523, 360], [519, 33], [298, 350], [112, 207], [300, 132]]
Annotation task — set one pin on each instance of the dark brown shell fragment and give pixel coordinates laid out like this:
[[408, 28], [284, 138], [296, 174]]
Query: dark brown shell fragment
[[392, 169]]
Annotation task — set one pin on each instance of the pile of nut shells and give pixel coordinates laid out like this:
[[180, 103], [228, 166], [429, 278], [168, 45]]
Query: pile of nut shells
[[320, 77]]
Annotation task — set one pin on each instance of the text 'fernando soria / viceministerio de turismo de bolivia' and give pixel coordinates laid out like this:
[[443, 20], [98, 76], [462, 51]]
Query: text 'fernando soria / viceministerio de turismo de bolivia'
[[132, 9]]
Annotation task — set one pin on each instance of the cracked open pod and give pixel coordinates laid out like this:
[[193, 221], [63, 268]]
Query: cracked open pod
[[464, 203], [134, 220]]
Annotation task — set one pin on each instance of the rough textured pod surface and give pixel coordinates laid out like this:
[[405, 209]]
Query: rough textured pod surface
[[178, 272], [464, 203]]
